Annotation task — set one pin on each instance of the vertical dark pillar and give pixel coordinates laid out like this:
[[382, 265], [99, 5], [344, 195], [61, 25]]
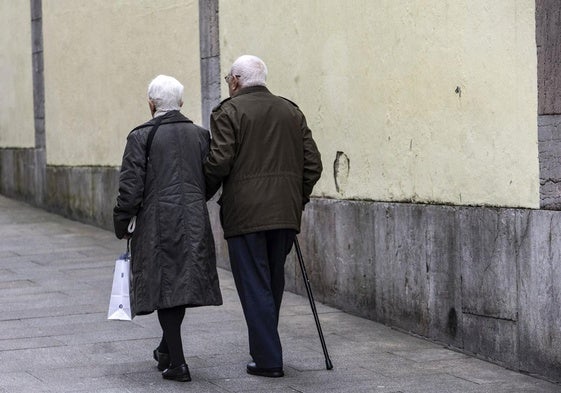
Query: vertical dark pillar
[[210, 57], [210, 96], [40, 160], [548, 40]]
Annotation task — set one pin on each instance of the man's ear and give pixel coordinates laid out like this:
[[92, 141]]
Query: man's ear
[[181, 104], [152, 107], [233, 86]]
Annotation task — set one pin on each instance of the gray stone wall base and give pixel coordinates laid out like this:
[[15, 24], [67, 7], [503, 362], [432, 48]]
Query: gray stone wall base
[[22, 173], [486, 281], [86, 194]]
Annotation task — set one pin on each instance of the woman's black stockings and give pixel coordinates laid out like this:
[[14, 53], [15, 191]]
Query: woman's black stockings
[[170, 321]]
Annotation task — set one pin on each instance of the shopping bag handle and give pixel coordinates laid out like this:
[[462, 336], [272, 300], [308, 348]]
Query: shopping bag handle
[[132, 225]]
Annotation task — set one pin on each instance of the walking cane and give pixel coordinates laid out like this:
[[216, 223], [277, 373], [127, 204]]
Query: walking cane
[[328, 364]]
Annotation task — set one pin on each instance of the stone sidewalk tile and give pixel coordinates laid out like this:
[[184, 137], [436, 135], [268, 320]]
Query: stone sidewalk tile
[[55, 281]]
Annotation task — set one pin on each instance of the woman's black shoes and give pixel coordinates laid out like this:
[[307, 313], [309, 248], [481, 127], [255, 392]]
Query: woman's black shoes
[[179, 373], [162, 359], [264, 372]]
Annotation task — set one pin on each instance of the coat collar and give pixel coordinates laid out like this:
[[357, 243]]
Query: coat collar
[[251, 89], [172, 117], [168, 117]]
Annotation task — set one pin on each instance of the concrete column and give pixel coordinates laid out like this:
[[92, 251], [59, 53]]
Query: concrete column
[[548, 41], [40, 159], [210, 58]]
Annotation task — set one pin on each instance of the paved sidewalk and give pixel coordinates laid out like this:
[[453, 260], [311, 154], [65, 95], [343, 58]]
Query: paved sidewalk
[[55, 281]]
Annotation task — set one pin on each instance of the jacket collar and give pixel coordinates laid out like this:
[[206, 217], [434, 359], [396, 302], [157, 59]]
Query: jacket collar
[[251, 89]]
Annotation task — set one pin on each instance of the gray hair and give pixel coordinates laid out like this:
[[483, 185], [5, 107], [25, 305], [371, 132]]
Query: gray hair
[[251, 71], [166, 93]]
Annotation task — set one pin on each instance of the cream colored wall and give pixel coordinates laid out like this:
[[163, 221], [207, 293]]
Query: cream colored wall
[[100, 56], [17, 127], [377, 81]]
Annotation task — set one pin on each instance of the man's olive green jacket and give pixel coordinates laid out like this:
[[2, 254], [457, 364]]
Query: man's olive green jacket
[[263, 154]]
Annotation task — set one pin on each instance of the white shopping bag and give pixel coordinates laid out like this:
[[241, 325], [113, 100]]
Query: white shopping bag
[[119, 304]]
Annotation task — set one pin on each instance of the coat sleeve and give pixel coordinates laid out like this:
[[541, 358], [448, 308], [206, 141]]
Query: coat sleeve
[[222, 151], [205, 143], [131, 185], [312, 163]]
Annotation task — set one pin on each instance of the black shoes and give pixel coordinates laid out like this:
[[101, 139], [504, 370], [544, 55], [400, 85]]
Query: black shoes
[[264, 372], [162, 359], [182, 374], [179, 373]]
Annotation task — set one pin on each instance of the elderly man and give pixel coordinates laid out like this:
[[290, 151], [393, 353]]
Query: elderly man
[[263, 155], [162, 183]]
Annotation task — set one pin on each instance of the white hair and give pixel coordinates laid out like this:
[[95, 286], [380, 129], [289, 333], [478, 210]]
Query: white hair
[[251, 71], [166, 93]]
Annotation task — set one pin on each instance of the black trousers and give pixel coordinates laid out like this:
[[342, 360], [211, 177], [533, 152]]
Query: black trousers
[[257, 261]]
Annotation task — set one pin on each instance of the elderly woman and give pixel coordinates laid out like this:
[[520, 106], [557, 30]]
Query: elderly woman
[[163, 185]]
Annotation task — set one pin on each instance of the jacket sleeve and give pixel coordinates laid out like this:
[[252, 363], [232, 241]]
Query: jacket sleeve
[[312, 163], [131, 185], [221, 153]]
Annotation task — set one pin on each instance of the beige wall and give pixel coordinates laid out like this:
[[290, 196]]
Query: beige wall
[[377, 81], [100, 56], [16, 85]]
